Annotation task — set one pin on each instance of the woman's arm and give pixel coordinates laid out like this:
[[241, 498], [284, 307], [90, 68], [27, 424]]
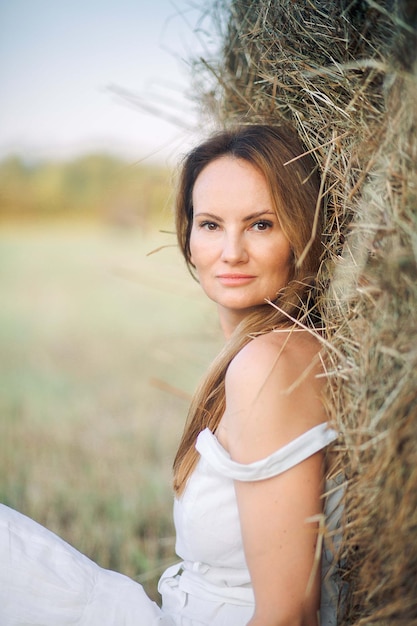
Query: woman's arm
[[273, 396]]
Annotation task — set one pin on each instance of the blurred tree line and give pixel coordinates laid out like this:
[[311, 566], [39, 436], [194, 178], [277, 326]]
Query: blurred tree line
[[96, 186]]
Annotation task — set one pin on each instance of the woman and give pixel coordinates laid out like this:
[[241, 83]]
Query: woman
[[248, 472]]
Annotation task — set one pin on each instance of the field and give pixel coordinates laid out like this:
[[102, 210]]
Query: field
[[100, 347]]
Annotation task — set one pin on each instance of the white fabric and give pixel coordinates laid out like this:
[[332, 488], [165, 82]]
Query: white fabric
[[46, 582], [279, 461]]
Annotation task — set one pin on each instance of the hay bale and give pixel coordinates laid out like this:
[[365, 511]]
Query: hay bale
[[378, 400], [345, 74]]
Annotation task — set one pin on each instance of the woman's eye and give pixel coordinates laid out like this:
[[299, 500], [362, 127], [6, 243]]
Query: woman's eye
[[208, 225], [262, 225]]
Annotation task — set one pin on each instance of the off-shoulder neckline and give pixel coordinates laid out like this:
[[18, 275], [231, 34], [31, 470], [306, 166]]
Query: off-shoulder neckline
[[287, 456]]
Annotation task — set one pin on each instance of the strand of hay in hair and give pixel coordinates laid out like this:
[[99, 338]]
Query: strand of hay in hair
[[344, 73]]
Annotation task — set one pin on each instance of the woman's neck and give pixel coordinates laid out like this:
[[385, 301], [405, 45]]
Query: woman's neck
[[230, 319]]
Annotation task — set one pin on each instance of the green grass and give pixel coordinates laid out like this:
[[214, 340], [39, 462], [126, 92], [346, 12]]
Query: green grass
[[99, 345]]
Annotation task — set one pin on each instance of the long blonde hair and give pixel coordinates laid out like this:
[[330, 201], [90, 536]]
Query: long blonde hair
[[294, 186]]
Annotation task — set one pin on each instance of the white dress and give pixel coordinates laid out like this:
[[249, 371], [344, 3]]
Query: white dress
[[46, 582]]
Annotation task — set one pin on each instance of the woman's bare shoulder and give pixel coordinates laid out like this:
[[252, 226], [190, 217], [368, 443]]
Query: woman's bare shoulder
[[273, 390], [279, 350]]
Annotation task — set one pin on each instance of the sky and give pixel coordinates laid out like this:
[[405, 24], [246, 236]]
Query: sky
[[67, 65]]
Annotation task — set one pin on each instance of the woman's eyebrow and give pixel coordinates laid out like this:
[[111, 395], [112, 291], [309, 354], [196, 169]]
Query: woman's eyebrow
[[209, 215], [254, 216]]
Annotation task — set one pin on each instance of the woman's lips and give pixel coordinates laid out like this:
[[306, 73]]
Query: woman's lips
[[234, 280]]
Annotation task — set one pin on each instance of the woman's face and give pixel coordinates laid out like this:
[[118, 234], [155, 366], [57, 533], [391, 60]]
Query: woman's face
[[238, 248]]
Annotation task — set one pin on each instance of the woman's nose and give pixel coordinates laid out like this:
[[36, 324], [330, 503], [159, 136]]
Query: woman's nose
[[234, 248]]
